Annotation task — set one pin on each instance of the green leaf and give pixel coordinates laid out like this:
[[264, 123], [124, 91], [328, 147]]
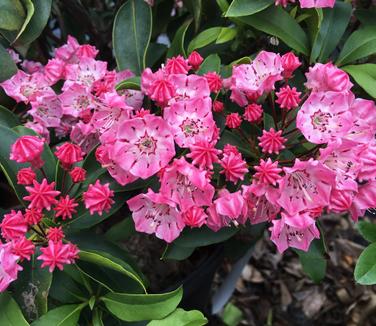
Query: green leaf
[[131, 83], [34, 282], [195, 6], [277, 22], [8, 118], [367, 230], [38, 21], [365, 76], [229, 137], [106, 260], [97, 318], [29, 6], [206, 37], [240, 8], [62, 316], [181, 317], [7, 66], [232, 315], [138, 307], [199, 237], [12, 15], [329, 34], [121, 231], [313, 261], [176, 252], [11, 314], [365, 269], [177, 44], [366, 16], [223, 5], [226, 35], [360, 44], [268, 121], [131, 35], [211, 63]]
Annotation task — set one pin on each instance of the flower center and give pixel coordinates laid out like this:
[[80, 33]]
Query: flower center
[[147, 144], [320, 120], [189, 127]]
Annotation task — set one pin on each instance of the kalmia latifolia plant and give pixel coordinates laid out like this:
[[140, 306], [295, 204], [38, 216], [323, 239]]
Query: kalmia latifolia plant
[[188, 149]]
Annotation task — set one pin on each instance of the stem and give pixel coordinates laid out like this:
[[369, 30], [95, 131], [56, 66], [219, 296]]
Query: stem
[[63, 182], [290, 132], [274, 112], [43, 173], [70, 188]]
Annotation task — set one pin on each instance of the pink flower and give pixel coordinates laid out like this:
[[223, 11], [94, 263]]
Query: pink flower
[[31, 67], [194, 217], [327, 77], [28, 149], [218, 106], [86, 51], [268, 172], [283, 3], [367, 158], [306, 185], [156, 86], [68, 50], [271, 141], [189, 87], [234, 167], [13, 225], [14, 55], [295, 231], [325, 116], [190, 120], [177, 65], [214, 81], [253, 112], [186, 185], [155, 213], [76, 100], [143, 146], [204, 154], [78, 174], [46, 109], [288, 98], [33, 216], [229, 208], [233, 120], [55, 234], [69, 154], [8, 266], [65, 207], [73, 253], [42, 195], [341, 200], [25, 176], [54, 70], [195, 60], [259, 76], [98, 198], [364, 199], [228, 148], [23, 248], [290, 62], [317, 3], [56, 254]]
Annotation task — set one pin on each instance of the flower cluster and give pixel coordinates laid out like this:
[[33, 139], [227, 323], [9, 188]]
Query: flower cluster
[[308, 3]]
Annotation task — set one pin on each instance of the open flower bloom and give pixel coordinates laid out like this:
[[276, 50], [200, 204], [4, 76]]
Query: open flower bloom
[[155, 213], [317, 3], [8, 266]]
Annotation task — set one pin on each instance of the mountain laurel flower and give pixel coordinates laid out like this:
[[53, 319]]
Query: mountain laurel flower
[[290, 62], [234, 167], [98, 198], [65, 207], [283, 3], [288, 98], [13, 225], [195, 60], [25, 176], [78, 174], [195, 217], [8, 266], [56, 254], [55, 234], [33, 216], [69, 154], [253, 113], [317, 3], [42, 195], [272, 141], [28, 149], [177, 65], [267, 172], [23, 248], [218, 106], [233, 120], [214, 81], [204, 154]]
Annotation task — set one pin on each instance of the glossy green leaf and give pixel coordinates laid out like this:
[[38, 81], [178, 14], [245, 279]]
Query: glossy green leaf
[[365, 76], [195, 7], [176, 252], [131, 83], [8, 118], [97, 318], [240, 8], [7, 66], [206, 37], [11, 314], [232, 138], [226, 35], [138, 307], [29, 6], [35, 282], [367, 230], [180, 317], [360, 44], [62, 316], [12, 15], [277, 22], [211, 63], [365, 269], [232, 315], [106, 260], [177, 44], [329, 34], [313, 261], [121, 231], [131, 35], [223, 5]]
